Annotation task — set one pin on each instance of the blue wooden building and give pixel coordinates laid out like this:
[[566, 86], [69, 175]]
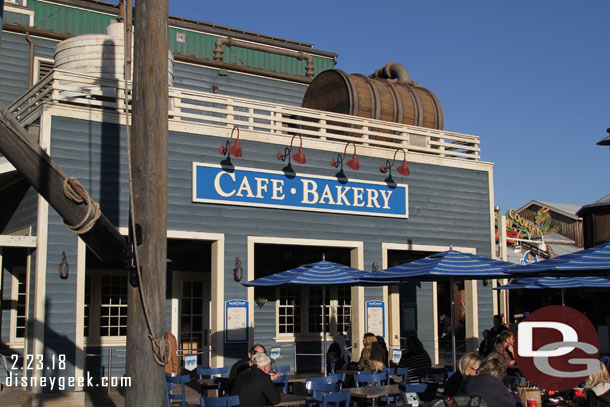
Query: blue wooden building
[[252, 213]]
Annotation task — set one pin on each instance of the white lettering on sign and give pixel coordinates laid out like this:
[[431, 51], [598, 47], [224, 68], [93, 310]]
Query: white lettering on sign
[[255, 187]]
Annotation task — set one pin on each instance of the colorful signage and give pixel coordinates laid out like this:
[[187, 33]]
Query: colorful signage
[[273, 189]]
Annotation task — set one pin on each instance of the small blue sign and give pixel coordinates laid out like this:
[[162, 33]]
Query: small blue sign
[[273, 189]]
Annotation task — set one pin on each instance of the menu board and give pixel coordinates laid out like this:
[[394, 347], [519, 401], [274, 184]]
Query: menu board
[[236, 321], [375, 317]]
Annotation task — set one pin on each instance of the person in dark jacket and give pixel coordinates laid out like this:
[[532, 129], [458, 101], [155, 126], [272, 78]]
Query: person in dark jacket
[[416, 359], [488, 383], [598, 388], [336, 353], [245, 363], [254, 386], [468, 366]]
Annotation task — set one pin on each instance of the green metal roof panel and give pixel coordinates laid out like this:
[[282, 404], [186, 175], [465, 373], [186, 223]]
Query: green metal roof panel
[[69, 20], [201, 45], [76, 21]]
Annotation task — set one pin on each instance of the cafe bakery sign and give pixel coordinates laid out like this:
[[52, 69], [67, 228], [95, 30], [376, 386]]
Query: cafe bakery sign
[[273, 189]]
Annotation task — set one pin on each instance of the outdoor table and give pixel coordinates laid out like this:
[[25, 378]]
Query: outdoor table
[[302, 377], [374, 392], [292, 400]]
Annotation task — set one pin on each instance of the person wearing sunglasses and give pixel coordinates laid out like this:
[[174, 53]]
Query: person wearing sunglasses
[[468, 366], [245, 363]]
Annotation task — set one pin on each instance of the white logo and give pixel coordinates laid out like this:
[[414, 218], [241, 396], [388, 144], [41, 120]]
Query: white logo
[[568, 343]]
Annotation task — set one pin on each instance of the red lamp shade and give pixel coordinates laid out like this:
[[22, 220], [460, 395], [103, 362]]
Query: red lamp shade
[[354, 164], [299, 156], [404, 168], [235, 149]]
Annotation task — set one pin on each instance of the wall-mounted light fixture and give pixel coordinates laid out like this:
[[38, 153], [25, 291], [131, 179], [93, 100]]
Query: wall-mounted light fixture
[[403, 169], [64, 267], [238, 271], [354, 164], [299, 156], [260, 301], [374, 267], [233, 149]]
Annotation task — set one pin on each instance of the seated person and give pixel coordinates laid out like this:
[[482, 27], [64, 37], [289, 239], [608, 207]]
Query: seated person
[[488, 383], [365, 355], [598, 388], [337, 353], [375, 362], [254, 385], [505, 346], [245, 363], [468, 366], [416, 359]]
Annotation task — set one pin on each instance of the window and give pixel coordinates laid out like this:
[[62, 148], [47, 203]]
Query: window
[[300, 310], [18, 279], [289, 312], [105, 306], [42, 66]]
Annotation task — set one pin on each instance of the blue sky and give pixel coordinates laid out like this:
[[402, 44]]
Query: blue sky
[[530, 78]]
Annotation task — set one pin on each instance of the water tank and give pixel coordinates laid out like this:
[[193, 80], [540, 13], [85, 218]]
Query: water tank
[[99, 54], [387, 95]]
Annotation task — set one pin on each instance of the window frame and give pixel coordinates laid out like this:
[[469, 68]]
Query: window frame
[[95, 286], [14, 341], [305, 333]]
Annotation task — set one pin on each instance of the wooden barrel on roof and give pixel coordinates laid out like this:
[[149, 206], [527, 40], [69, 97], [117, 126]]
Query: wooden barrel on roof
[[400, 101]]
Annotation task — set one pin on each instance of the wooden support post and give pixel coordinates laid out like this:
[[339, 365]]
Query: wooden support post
[[149, 178], [48, 179]]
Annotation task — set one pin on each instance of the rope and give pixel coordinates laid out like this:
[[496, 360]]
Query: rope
[[74, 191], [160, 346]]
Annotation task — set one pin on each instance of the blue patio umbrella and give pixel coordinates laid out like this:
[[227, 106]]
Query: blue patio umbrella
[[533, 283], [594, 261], [450, 265], [321, 274]]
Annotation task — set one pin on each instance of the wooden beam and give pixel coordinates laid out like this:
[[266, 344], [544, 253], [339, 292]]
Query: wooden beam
[[47, 178], [149, 162], [18, 241]]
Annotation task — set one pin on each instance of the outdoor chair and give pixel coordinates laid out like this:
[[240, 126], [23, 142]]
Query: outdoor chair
[[283, 379], [225, 401], [316, 387], [218, 382], [339, 399], [336, 378], [389, 371], [174, 399], [369, 379]]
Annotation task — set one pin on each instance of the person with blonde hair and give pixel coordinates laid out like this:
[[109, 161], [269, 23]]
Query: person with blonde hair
[[598, 388], [468, 366], [488, 384], [371, 358]]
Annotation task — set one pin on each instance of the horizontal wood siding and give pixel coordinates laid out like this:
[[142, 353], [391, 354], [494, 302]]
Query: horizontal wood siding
[[485, 301], [60, 298], [16, 18], [200, 78], [425, 316], [447, 206], [15, 66]]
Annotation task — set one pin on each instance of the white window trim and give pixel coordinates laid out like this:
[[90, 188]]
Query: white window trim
[[94, 312], [15, 342], [305, 334], [37, 62], [13, 7]]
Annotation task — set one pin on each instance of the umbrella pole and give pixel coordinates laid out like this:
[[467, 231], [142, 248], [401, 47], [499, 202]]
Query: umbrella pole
[[563, 297], [324, 328], [452, 299]]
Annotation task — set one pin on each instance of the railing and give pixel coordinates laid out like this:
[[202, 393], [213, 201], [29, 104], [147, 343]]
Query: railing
[[63, 87]]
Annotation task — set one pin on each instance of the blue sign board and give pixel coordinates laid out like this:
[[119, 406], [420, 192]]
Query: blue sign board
[[273, 189]]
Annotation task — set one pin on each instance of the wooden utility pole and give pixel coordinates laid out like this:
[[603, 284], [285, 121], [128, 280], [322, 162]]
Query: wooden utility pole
[[149, 194]]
